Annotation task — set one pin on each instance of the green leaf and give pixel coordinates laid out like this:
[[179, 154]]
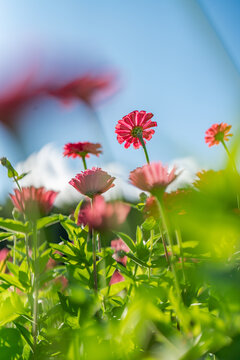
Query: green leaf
[[149, 223], [137, 260], [19, 177], [11, 171], [4, 235], [14, 269], [25, 334], [47, 221], [76, 212], [15, 226], [139, 235], [11, 280], [72, 229], [130, 243]]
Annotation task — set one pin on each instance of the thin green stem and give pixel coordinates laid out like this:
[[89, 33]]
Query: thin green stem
[[94, 260], [179, 241], [84, 162], [233, 165], [150, 253], [144, 147], [164, 246], [35, 285], [131, 286], [170, 241], [27, 252]]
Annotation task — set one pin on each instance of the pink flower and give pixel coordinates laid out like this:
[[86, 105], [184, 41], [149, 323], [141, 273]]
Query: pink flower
[[103, 216], [119, 246], [16, 97], [81, 149], [33, 201], [152, 177], [87, 88], [92, 182], [116, 277], [133, 125], [217, 133], [3, 254]]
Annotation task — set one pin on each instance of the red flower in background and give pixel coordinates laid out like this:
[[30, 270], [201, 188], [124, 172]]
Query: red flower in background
[[92, 182], [88, 88], [81, 149], [33, 201], [152, 177], [103, 216], [133, 125], [217, 133], [16, 98]]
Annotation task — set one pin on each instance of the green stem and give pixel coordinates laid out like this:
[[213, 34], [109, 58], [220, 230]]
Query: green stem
[[150, 254], [131, 286], [144, 147], [170, 241], [94, 261], [233, 165], [27, 252], [164, 246], [179, 241], [35, 285], [84, 162]]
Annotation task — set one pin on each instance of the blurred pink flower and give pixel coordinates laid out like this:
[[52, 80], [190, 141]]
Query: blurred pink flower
[[133, 125], [116, 277], [33, 201], [103, 216], [217, 133], [87, 88], [81, 149], [119, 246], [92, 182], [152, 177], [14, 99], [4, 254]]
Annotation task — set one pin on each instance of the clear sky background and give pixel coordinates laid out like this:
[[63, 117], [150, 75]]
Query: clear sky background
[[179, 59]]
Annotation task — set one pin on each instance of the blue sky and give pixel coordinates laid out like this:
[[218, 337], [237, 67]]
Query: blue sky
[[179, 59]]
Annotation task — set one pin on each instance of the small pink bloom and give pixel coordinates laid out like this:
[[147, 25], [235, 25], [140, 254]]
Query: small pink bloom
[[119, 245], [4, 254], [81, 149], [217, 133], [92, 182], [152, 177], [116, 278], [133, 125], [103, 216], [87, 88], [33, 201]]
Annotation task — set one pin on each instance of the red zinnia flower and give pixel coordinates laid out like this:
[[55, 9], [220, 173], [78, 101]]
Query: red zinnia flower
[[81, 149], [103, 216], [87, 88], [152, 177], [33, 201], [217, 133], [134, 125], [92, 182], [14, 100]]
